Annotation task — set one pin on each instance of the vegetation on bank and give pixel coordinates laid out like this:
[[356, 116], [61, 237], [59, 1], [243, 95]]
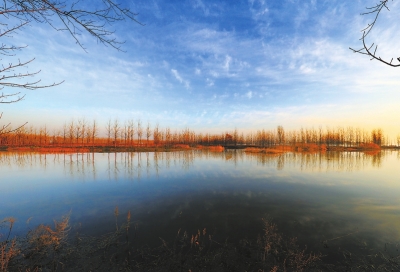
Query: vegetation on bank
[[274, 150], [62, 248], [109, 149], [135, 135], [81, 136], [370, 147]]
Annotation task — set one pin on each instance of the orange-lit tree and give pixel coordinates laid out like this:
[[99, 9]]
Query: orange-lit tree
[[148, 133]]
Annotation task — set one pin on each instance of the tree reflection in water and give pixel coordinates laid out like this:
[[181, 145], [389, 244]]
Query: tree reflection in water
[[129, 165]]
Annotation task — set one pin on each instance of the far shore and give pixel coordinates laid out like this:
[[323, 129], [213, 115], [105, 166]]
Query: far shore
[[272, 150], [370, 148]]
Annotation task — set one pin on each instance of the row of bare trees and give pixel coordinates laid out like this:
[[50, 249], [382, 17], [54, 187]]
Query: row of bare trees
[[133, 133]]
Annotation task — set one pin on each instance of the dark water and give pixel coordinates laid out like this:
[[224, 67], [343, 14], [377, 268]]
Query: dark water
[[329, 201]]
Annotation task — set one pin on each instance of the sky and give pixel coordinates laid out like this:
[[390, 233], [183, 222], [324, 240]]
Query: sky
[[213, 66]]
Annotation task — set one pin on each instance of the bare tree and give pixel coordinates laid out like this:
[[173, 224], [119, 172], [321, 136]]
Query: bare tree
[[139, 131], [64, 133], [73, 17], [371, 50], [109, 131], [83, 125], [94, 131], [78, 131], [115, 131], [377, 136], [131, 125], [156, 134], [88, 135], [148, 133], [125, 134], [281, 135], [168, 137]]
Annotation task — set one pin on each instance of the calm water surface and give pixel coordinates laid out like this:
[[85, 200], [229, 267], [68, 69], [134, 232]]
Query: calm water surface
[[329, 201]]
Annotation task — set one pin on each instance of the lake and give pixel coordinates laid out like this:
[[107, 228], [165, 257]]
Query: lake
[[330, 201]]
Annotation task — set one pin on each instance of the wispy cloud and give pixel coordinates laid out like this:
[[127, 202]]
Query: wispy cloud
[[180, 79]]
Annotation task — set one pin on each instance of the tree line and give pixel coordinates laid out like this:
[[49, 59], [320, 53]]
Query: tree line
[[135, 133]]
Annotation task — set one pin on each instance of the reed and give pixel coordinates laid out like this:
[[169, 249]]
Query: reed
[[48, 248], [8, 248]]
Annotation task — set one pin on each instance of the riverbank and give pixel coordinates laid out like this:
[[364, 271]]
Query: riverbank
[[272, 150], [109, 149], [313, 148]]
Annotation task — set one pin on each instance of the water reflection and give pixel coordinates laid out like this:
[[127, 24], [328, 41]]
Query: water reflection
[[133, 165], [328, 161], [316, 197]]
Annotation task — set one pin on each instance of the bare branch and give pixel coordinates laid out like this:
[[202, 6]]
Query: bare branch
[[75, 17], [5, 80], [365, 50], [4, 98], [375, 9], [7, 128]]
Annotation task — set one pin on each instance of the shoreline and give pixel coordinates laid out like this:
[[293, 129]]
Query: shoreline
[[273, 150]]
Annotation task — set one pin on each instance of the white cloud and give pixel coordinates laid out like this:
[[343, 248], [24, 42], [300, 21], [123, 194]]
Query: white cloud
[[227, 62], [202, 6], [305, 69], [180, 79]]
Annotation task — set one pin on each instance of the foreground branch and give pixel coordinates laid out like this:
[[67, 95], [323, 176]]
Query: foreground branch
[[366, 50]]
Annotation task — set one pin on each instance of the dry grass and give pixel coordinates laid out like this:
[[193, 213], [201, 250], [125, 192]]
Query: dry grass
[[269, 151], [44, 236], [50, 150], [215, 148], [310, 148], [8, 248], [52, 249], [370, 146], [279, 149], [279, 254], [49, 249], [181, 146]]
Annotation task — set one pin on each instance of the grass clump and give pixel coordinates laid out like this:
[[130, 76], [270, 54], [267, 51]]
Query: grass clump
[[201, 252], [8, 248], [55, 248], [48, 248]]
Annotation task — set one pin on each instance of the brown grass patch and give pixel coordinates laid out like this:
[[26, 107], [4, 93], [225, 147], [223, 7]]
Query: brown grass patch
[[181, 146], [216, 148], [270, 151], [369, 146], [51, 150], [310, 148]]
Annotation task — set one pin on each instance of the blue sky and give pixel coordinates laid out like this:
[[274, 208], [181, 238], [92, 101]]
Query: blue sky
[[216, 65]]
